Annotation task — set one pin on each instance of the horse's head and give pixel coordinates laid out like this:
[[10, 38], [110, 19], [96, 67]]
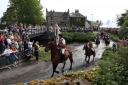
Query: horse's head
[[49, 46]]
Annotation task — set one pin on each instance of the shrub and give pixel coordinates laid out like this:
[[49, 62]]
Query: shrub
[[113, 68], [115, 37], [79, 36], [44, 56]]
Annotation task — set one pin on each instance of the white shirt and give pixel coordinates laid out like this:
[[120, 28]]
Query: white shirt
[[30, 44], [9, 41], [62, 40], [7, 51]]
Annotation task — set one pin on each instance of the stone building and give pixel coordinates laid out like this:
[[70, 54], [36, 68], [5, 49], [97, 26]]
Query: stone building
[[77, 19], [61, 18], [65, 19]]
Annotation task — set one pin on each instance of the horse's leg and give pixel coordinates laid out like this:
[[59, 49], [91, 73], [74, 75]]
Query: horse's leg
[[94, 54], [63, 66], [70, 66], [54, 70], [88, 59], [85, 57], [71, 61], [93, 57]]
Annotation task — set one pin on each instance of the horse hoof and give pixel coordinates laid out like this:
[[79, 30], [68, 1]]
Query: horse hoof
[[70, 69], [87, 62], [57, 72], [62, 71], [51, 76]]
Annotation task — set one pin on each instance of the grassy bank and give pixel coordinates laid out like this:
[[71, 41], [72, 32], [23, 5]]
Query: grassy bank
[[113, 68]]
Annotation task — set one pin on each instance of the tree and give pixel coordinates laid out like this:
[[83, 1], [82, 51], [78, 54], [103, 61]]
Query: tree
[[121, 20], [9, 16], [26, 11]]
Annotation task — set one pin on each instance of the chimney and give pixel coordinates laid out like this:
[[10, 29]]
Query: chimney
[[68, 10], [76, 11]]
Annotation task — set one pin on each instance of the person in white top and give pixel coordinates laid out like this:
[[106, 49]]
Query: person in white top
[[7, 51], [62, 45], [9, 41], [56, 30], [8, 54], [30, 44]]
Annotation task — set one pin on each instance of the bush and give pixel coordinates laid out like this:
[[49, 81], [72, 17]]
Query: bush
[[113, 68], [115, 37], [44, 56], [79, 37]]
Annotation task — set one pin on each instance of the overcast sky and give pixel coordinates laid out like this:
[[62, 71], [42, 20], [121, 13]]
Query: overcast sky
[[104, 10]]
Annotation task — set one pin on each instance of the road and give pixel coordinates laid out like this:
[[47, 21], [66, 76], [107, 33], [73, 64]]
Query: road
[[29, 71]]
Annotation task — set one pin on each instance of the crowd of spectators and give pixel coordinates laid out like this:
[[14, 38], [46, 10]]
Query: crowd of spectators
[[15, 41]]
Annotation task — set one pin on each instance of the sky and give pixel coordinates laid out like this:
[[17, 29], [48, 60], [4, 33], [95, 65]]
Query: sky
[[104, 10]]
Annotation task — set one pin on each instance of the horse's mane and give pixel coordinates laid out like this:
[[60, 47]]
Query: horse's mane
[[54, 48]]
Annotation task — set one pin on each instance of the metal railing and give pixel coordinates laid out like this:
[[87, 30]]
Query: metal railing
[[35, 31]]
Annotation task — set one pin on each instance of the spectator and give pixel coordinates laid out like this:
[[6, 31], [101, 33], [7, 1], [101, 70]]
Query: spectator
[[1, 43], [30, 44], [8, 54], [36, 51]]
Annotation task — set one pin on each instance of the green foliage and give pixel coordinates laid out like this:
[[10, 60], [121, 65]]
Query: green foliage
[[79, 37], [124, 32], [24, 11], [9, 16], [122, 20], [123, 56], [113, 68], [44, 56], [115, 37]]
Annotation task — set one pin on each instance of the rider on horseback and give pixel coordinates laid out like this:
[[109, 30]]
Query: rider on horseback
[[62, 46], [90, 45], [107, 36]]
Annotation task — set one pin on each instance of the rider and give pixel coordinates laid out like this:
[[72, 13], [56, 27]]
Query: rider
[[62, 45], [107, 36], [90, 45]]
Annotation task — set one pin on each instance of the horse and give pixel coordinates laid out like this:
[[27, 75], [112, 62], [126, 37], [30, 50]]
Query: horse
[[88, 53], [107, 41], [97, 41], [56, 56]]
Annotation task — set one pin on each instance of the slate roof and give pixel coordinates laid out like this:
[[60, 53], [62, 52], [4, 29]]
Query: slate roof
[[56, 13], [73, 14]]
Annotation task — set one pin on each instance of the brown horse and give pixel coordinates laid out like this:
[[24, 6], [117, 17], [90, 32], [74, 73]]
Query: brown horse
[[56, 56], [107, 41], [88, 53], [97, 41]]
